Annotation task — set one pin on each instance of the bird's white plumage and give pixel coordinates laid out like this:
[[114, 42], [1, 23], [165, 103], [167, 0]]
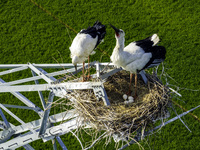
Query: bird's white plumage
[[81, 47], [132, 57], [155, 39]]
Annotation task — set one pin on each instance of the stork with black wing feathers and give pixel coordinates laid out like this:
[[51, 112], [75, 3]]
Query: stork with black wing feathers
[[137, 55], [85, 42]]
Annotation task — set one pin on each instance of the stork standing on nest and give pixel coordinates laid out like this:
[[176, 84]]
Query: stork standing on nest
[[85, 42], [136, 56]]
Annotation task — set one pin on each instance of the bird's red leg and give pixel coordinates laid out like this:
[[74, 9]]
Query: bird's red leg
[[83, 71], [129, 90], [135, 96], [88, 76]]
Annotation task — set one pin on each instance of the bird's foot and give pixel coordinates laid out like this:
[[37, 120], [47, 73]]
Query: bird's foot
[[83, 79], [88, 77], [135, 96]]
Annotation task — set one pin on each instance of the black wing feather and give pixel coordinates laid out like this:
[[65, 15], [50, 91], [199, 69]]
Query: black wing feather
[[145, 44], [158, 56], [97, 29]]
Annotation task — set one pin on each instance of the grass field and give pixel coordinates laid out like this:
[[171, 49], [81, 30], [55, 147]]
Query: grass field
[[42, 35]]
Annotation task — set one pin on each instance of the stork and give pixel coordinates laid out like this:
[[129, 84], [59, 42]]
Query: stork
[[85, 42], [136, 56]]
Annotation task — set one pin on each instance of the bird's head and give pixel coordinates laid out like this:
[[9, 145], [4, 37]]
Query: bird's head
[[119, 33], [74, 62]]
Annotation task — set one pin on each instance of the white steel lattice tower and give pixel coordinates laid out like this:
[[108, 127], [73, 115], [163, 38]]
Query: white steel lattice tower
[[14, 136]]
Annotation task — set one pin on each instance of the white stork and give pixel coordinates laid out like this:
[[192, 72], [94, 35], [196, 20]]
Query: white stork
[[85, 42], [137, 55]]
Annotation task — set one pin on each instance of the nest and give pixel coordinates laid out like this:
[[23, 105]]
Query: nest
[[120, 118]]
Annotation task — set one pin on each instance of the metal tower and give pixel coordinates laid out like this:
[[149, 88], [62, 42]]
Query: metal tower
[[13, 136]]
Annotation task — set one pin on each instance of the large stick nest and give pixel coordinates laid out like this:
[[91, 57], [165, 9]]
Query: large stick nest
[[151, 104]]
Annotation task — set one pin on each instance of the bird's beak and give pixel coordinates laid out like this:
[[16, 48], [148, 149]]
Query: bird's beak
[[75, 66], [116, 30]]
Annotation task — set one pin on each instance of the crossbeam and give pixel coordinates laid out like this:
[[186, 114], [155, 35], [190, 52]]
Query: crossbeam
[[50, 134], [46, 87], [36, 123], [61, 65]]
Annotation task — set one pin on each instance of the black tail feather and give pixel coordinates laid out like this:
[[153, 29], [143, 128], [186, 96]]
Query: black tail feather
[[148, 43], [101, 29], [158, 56]]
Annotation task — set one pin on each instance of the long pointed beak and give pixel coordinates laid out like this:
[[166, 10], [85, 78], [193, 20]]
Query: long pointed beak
[[116, 29], [75, 66]]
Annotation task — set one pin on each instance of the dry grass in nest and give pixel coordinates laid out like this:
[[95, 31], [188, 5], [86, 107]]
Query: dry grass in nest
[[150, 104]]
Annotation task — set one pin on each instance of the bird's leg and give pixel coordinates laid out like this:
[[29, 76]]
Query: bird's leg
[[83, 71], [135, 96], [129, 90], [88, 76]]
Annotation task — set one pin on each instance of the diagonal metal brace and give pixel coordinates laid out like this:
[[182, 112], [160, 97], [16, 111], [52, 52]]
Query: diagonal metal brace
[[46, 114], [41, 74], [157, 127]]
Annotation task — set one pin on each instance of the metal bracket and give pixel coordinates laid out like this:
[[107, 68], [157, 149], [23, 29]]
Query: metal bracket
[[100, 93]]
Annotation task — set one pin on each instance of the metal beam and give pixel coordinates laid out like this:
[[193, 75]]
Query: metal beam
[[72, 70], [39, 92], [4, 119], [41, 74], [13, 70], [46, 87], [110, 73], [100, 93], [157, 127], [62, 65], [143, 75], [20, 107], [2, 125], [46, 114], [28, 147], [48, 135], [44, 72], [54, 144], [36, 124], [14, 116], [23, 99], [10, 66], [61, 143], [38, 77]]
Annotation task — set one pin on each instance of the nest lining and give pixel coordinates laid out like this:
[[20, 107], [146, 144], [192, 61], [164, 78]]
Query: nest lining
[[151, 103]]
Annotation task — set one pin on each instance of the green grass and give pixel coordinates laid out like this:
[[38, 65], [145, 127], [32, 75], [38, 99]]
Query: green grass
[[29, 34]]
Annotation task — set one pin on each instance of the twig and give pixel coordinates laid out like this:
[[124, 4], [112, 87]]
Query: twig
[[194, 116], [77, 139], [100, 137]]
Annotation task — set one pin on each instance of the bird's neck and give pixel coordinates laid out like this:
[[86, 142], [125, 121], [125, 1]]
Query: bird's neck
[[119, 44]]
